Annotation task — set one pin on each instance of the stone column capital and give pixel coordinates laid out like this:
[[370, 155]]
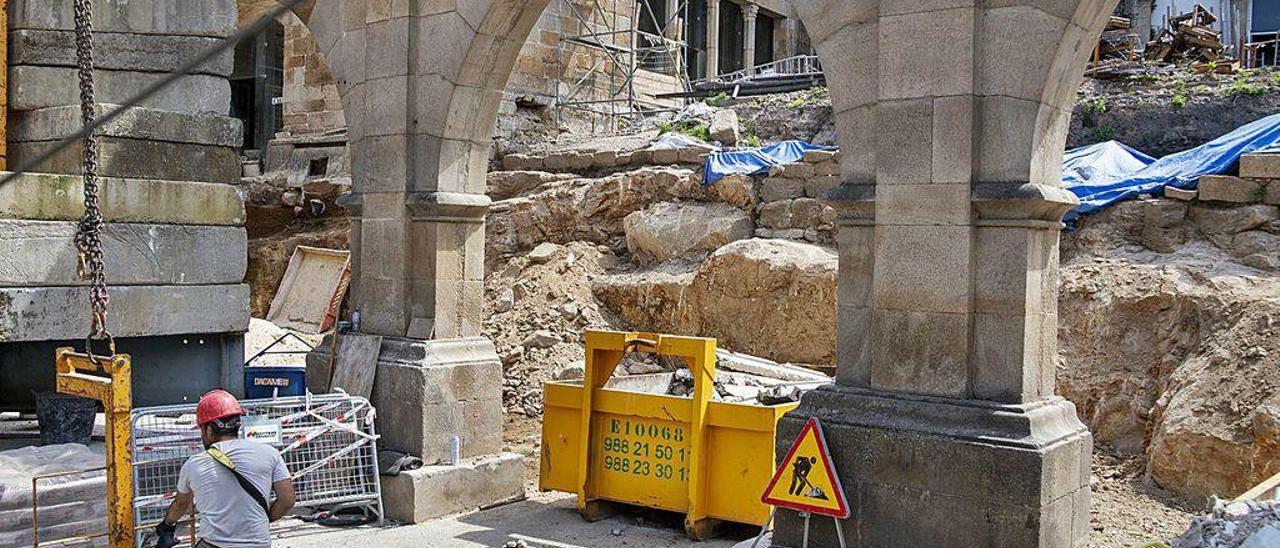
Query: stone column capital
[[750, 12], [1022, 204], [456, 207]]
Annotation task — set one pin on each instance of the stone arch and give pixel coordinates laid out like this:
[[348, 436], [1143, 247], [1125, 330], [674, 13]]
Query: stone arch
[[422, 81], [952, 115]]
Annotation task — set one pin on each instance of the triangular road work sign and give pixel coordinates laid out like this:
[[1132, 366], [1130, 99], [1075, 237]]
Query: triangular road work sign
[[806, 481]]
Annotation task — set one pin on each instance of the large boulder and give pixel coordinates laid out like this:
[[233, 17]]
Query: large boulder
[[769, 298], [669, 230]]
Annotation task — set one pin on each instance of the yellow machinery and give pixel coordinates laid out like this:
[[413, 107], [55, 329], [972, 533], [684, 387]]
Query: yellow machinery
[[709, 460], [106, 379]]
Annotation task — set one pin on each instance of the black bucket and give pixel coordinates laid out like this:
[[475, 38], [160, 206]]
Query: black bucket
[[64, 418]]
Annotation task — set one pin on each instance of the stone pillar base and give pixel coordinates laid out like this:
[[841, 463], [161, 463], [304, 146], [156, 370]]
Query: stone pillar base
[[434, 491], [925, 471], [428, 391]]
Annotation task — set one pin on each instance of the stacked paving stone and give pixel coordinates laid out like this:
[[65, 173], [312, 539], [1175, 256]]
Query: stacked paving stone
[[1258, 182], [175, 241]]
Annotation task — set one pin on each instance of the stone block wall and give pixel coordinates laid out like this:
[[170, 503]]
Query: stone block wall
[[573, 195], [174, 236]]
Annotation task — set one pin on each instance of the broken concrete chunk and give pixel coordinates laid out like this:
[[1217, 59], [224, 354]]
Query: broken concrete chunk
[[1180, 194], [521, 162], [543, 253], [541, 338], [724, 126], [746, 363]]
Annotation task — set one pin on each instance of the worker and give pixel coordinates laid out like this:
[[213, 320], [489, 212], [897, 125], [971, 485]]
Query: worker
[[230, 482]]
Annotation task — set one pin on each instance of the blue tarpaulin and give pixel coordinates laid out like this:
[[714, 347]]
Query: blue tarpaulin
[[1109, 160], [755, 161], [1104, 185]]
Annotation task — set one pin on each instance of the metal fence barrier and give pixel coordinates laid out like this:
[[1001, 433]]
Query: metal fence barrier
[[328, 443]]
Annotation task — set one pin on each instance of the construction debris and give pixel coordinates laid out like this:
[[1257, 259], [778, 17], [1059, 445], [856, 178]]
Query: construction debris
[[1240, 524], [1189, 37]]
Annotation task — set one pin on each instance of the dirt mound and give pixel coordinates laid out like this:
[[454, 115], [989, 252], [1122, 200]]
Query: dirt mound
[[536, 308], [1173, 355]]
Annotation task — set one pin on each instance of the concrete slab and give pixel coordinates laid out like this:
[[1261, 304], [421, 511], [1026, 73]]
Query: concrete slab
[[118, 51], [42, 314], [434, 491], [140, 159], [203, 18], [543, 520], [43, 253], [51, 124], [34, 87], [49, 197]]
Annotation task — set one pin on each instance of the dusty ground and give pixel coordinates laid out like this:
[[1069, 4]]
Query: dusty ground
[[1128, 509], [545, 519]]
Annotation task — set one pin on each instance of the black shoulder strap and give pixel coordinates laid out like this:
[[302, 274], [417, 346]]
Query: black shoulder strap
[[244, 482]]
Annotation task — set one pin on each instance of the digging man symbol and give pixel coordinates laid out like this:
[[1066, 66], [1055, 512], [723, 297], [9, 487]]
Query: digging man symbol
[[800, 485]]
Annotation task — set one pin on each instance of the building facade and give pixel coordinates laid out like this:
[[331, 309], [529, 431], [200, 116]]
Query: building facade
[[672, 41]]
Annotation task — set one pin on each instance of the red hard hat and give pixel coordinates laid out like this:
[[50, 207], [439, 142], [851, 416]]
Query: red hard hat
[[215, 405]]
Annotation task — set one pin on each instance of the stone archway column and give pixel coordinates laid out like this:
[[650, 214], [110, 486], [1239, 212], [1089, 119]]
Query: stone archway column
[[750, 14], [421, 83], [943, 420], [713, 38]]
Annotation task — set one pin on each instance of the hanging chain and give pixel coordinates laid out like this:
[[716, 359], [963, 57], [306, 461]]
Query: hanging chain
[[89, 235]]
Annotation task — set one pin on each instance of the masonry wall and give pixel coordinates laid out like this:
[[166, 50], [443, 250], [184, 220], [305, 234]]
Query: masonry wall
[[311, 101]]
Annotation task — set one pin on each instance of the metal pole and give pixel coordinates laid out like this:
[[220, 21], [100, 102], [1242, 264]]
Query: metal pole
[[806, 516], [839, 531]]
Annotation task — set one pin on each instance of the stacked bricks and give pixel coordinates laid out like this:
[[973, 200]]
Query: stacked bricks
[[312, 104], [174, 237], [791, 205], [1258, 182]]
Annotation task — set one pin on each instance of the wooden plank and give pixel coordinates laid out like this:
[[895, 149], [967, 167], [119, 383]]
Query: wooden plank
[[356, 363]]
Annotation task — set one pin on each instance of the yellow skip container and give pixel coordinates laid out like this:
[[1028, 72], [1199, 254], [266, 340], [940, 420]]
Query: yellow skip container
[[709, 460]]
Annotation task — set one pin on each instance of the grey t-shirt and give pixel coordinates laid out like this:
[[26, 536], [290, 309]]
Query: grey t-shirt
[[229, 517]]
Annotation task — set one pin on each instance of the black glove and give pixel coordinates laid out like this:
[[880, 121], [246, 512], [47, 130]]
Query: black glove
[[165, 534]]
